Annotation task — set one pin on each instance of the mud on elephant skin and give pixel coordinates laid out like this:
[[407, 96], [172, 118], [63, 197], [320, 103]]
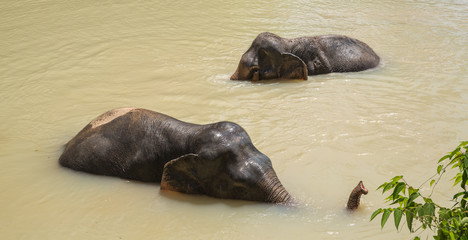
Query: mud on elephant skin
[[273, 57], [217, 160]]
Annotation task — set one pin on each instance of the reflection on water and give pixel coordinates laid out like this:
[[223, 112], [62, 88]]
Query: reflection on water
[[62, 64]]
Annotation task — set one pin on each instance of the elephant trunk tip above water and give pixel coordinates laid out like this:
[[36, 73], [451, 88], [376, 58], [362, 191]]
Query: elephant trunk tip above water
[[273, 57], [217, 159], [355, 196]]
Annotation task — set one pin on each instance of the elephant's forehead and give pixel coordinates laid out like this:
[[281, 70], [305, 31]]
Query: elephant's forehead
[[109, 116]]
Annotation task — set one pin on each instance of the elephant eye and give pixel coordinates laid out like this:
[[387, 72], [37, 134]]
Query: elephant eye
[[253, 71]]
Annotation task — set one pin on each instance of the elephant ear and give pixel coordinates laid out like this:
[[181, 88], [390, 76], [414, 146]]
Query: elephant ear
[[274, 64], [181, 175], [292, 67], [269, 61]]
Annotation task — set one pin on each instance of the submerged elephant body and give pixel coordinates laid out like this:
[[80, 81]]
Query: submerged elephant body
[[271, 56], [216, 159]]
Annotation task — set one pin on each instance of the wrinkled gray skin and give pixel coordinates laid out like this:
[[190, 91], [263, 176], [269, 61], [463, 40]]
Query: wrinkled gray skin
[[274, 57], [217, 160]]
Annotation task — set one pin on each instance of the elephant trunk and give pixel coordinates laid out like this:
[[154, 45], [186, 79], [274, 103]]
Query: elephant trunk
[[355, 196], [235, 75], [280, 195], [276, 192]]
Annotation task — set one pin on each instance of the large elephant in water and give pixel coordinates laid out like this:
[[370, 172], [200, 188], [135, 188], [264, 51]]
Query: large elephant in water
[[272, 57], [216, 159]]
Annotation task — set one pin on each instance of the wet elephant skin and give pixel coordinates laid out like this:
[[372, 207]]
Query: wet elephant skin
[[273, 57], [217, 160]]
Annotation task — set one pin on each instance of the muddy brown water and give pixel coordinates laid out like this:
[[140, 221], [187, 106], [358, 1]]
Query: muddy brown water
[[63, 63]]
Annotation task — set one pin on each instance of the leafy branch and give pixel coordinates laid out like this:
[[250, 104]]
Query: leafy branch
[[449, 223]]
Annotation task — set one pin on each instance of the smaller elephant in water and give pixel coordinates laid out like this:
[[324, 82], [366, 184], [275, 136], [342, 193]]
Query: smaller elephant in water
[[217, 160], [274, 57]]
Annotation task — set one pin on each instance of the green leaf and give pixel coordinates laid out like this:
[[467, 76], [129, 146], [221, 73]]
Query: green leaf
[[397, 214], [409, 220], [454, 163], [420, 211], [400, 186], [444, 214], [464, 179], [432, 182], [443, 158], [464, 221], [385, 216], [429, 212], [458, 195], [412, 197], [396, 179], [375, 213], [382, 186], [457, 150], [430, 208], [463, 203], [388, 187], [427, 200], [457, 178], [439, 168]]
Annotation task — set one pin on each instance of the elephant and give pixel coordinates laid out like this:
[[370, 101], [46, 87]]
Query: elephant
[[273, 57], [355, 196], [218, 159]]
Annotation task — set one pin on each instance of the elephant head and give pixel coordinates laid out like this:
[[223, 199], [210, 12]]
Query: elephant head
[[268, 58], [225, 177]]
